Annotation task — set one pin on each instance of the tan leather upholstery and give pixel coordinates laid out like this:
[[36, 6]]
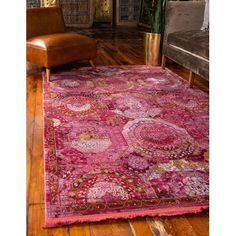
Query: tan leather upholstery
[[40, 21], [48, 44], [57, 49]]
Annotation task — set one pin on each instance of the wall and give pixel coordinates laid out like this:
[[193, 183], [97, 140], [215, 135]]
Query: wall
[[32, 3]]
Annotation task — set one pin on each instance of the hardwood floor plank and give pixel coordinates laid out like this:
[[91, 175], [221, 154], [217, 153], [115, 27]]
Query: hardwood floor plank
[[79, 230], [100, 60], [127, 51], [30, 112], [158, 227], [140, 227], [108, 57], [36, 221], [119, 56], [130, 47], [106, 228], [179, 226], [200, 223], [36, 193]]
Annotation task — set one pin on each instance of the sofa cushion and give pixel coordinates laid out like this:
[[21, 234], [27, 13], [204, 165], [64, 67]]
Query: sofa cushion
[[193, 41], [56, 49]]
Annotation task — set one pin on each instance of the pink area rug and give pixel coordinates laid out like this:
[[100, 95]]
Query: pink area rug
[[123, 142]]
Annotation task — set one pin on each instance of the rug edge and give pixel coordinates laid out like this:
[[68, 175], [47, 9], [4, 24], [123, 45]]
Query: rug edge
[[51, 223]]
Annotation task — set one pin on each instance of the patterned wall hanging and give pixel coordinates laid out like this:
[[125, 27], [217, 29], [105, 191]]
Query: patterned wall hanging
[[103, 11], [32, 3], [77, 13], [127, 12], [49, 3]]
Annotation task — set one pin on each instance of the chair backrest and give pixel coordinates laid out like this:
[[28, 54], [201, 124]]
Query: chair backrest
[[183, 15], [45, 20]]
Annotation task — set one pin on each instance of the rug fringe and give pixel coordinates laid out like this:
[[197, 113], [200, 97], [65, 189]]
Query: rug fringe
[[50, 223]]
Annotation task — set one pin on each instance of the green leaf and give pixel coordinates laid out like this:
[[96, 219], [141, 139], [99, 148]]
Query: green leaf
[[156, 18]]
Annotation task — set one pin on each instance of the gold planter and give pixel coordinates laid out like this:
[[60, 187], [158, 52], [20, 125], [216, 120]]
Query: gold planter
[[152, 46]]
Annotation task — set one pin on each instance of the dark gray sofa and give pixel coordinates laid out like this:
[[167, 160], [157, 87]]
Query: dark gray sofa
[[184, 42]]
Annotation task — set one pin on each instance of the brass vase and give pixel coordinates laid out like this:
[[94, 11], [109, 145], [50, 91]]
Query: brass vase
[[152, 46]]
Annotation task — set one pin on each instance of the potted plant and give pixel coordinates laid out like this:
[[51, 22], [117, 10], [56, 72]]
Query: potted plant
[[152, 41]]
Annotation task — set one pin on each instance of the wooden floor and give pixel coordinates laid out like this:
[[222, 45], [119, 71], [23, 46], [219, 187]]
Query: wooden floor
[[115, 47]]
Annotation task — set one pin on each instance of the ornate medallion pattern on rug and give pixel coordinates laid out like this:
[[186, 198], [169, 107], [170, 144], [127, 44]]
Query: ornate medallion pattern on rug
[[123, 142]]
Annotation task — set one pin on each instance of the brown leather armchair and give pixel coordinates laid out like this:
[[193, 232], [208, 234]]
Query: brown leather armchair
[[48, 45]]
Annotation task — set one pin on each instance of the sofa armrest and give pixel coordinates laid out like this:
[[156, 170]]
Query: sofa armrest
[[183, 15]]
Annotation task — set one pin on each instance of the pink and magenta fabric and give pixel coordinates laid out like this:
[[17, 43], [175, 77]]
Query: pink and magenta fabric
[[122, 142]]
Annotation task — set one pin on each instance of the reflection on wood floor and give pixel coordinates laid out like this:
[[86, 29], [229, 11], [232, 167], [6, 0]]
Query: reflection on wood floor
[[115, 47]]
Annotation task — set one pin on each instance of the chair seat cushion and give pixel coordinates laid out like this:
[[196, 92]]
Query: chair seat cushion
[[57, 49], [193, 41]]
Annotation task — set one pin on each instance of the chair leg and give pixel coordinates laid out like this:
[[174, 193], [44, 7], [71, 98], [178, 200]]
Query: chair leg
[[163, 62], [47, 74], [191, 78], [92, 64]]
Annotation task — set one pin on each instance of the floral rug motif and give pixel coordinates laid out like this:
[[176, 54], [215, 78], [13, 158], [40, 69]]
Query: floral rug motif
[[123, 142]]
